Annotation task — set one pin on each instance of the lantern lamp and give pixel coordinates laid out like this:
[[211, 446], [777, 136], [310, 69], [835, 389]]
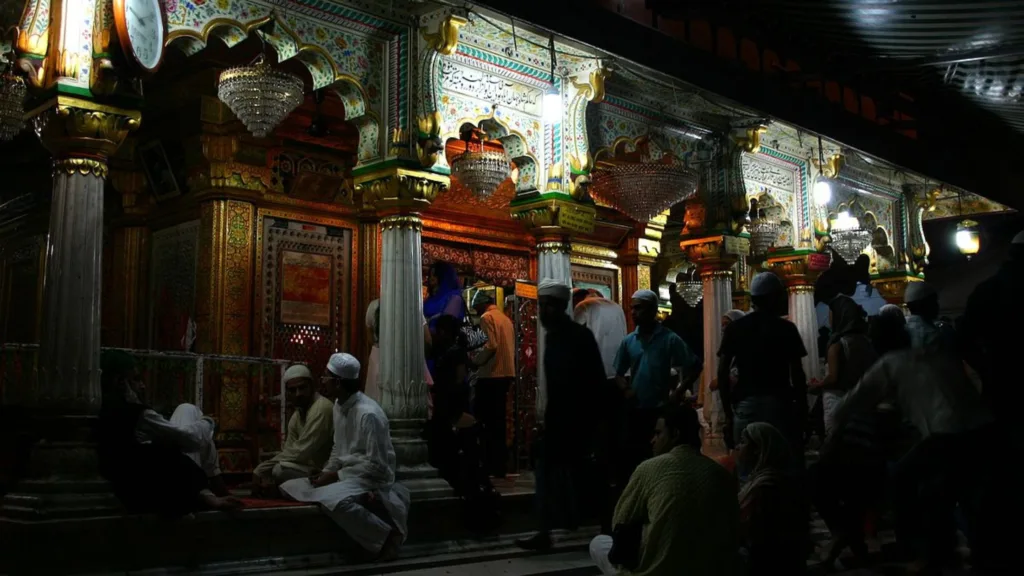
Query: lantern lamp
[[968, 238]]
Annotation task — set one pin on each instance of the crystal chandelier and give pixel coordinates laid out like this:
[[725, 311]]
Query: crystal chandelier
[[689, 286], [481, 170], [260, 96], [764, 231], [848, 238], [12, 105], [642, 190]]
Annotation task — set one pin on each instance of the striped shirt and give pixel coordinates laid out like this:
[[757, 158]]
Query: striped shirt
[[497, 358]]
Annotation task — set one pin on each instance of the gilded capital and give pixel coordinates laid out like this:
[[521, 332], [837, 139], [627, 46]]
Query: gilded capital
[[74, 128], [799, 270], [715, 254], [554, 213], [399, 189], [446, 39]]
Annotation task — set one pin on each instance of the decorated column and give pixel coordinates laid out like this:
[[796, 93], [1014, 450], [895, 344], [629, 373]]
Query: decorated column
[[399, 195], [552, 218], [715, 257], [82, 136], [799, 271]]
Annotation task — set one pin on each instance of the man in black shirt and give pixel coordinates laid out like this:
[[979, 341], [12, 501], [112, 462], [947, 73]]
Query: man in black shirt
[[574, 373], [771, 385]]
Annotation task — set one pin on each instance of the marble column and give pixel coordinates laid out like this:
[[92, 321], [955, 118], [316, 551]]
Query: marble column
[[717, 301], [802, 313], [552, 262], [403, 386], [63, 478], [399, 195], [69, 345]]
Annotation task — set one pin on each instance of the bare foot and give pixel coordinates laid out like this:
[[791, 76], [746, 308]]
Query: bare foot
[[389, 551], [227, 503]]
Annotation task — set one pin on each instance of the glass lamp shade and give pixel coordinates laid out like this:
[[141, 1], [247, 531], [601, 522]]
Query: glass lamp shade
[[822, 191], [968, 238], [259, 95], [552, 107]]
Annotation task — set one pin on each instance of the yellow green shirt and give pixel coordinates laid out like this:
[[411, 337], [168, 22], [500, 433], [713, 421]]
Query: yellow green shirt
[[308, 439], [687, 503]]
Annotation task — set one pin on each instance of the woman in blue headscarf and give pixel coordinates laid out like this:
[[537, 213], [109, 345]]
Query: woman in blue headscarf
[[445, 294]]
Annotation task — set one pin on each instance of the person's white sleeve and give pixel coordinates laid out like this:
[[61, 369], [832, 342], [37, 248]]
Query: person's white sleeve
[[373, 463], [188, 437]]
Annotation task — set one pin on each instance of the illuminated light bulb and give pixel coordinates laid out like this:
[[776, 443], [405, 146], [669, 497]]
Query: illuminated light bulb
[[968, 238], [822, 191], [552, 106]]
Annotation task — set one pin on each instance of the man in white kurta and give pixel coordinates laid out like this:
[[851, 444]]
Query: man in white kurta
[[357, 487]]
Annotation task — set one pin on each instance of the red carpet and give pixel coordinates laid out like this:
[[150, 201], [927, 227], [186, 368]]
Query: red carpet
[[256, 503]]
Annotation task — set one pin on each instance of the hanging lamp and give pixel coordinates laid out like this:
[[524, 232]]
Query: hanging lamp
[[849, 240], [822, 185], [480, 169], [968, 232], [764, 230], [260, 95], [12, 104], [690, 287]]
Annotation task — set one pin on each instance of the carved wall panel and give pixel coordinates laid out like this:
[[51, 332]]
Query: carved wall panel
[[306, 295], [172, 297], [778, 186], [474, 264]]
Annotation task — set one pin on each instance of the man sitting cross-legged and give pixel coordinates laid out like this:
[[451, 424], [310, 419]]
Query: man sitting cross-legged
[[155, 465], [307, 445], [357, 486]]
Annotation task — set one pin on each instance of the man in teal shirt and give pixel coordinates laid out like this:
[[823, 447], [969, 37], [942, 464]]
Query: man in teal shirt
[[649, 354]]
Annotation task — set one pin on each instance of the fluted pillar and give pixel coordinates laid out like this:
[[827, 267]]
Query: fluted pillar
[[403, 386], [552, 262], [399, 195], [63, 476], [799, 270], [803, 314], [82, 136], [717, 301]]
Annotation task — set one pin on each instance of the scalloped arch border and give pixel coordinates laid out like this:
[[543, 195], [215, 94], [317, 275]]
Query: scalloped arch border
[[509, 132]]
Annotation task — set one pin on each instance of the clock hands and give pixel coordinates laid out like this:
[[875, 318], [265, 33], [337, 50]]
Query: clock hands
[[140, 18]]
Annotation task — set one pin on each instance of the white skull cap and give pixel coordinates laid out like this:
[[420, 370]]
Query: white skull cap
[[344, 366], [297, 371]]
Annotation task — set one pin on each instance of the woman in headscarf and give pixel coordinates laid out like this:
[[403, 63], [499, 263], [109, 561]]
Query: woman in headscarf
[[773, 511], [445, 294], [850, 354], [372, 386]]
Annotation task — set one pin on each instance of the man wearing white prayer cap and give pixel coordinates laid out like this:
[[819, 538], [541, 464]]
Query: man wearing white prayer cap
[[574, 374], [926, 331], [309, 435], [770, 382], [648, 355], [357, 487]]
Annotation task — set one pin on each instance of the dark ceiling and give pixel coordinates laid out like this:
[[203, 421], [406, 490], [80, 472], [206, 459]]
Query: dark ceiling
[[944, 76], [973, 48]]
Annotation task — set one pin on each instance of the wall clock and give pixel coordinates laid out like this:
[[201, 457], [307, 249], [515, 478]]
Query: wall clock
[[141, 31]]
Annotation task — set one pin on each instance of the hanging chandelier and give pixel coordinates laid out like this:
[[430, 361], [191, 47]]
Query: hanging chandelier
[[848, 238], [764, 230], [644, 189], [689, 286], [481, 170], [12, 105], [260, 96]]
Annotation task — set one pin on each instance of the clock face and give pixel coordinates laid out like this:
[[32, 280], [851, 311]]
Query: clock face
[[144, 24]]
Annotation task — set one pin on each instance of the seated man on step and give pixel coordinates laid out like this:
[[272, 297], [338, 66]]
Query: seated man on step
[[155, 465], [307, 445], [357, 487]]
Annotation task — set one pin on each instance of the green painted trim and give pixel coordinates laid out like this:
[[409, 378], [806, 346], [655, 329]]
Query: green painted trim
[[547, 196], [68, 89]]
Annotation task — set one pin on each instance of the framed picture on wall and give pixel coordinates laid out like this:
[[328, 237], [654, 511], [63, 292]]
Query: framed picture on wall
[[159, 172], [603, 280]]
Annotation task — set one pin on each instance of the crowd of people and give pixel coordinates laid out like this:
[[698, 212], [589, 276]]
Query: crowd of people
[[913, 414]]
